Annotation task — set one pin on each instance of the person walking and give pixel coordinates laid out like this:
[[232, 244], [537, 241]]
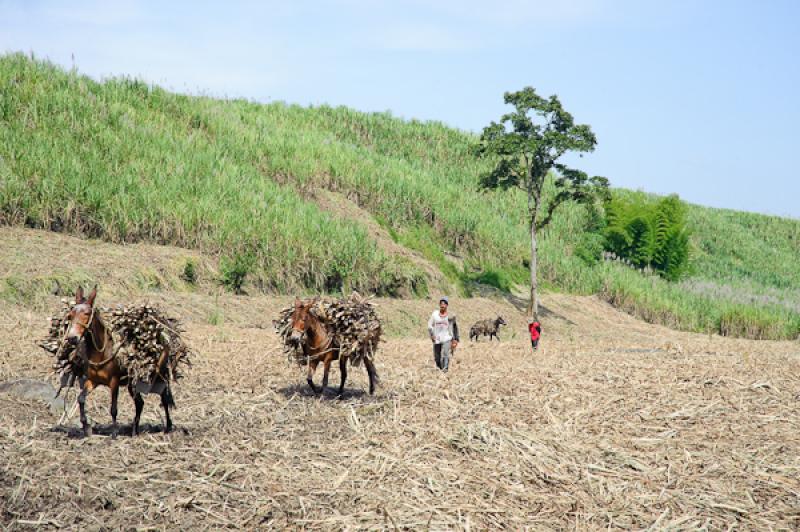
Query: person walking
[[443, 330], [535, 328]]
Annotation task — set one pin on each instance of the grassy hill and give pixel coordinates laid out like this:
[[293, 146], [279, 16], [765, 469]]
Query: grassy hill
[[125, 161]]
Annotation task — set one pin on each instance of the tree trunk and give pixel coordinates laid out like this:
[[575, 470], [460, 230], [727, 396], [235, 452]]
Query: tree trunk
[[534, 195], [533, 305]]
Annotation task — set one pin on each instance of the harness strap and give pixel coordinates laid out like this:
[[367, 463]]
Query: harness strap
[[107, 360], [97, 348], [327, 348], [94, 340]]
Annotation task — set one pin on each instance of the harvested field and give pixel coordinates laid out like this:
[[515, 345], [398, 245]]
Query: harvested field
[[617, 429], [613, 423]]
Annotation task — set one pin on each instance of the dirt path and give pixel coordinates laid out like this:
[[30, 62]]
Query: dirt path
[[340, 206]]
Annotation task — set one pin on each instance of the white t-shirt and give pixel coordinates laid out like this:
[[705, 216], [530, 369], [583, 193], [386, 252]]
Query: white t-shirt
[[439, 327]]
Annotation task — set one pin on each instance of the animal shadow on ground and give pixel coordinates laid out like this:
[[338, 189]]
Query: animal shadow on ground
[[331, 392], [107, 429]]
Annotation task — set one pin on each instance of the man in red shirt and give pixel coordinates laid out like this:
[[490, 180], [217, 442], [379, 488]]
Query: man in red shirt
[[535, 329]]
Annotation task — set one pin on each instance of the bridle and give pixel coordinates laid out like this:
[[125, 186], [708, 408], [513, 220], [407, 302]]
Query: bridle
[[88, 329], [304, 337]]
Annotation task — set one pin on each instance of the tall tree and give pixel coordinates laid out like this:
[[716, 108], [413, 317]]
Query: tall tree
[[527, 144]]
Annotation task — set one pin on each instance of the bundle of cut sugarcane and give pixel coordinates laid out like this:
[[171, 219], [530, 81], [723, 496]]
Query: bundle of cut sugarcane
[[283, 327], [64, 365], [146, 344], [352, 323], [58, 324], [149, 343], [355, 325]]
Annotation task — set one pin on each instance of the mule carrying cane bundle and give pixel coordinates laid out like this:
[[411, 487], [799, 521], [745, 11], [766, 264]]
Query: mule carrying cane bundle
[[141, 335], [352, 322]]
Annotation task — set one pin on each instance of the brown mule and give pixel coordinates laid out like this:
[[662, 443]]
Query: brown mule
[[318, 346], [94, 342]]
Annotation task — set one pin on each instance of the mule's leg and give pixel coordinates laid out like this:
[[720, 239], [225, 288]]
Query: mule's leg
[[114, 386], [343, 372], [138, 402], [166, 402], [86, 388], [373, 375], [326, 368], [312, 367]]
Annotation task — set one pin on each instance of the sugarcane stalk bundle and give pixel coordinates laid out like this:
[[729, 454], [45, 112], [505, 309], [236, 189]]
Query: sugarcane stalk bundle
[[283, 327], [352, 323], [146, 344], [66, 363], [150, 343]]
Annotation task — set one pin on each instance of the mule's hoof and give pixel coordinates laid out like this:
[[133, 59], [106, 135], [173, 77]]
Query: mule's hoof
[[168, 429], [87, 431], [114, 435]]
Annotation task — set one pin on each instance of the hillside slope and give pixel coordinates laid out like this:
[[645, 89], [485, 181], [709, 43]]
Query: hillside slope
[[239, 181]]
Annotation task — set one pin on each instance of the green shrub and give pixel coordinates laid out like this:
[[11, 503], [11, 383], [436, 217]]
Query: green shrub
[[189, 273], [234, 271]]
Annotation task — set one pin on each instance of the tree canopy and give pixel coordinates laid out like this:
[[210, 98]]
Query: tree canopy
[[527, 144]]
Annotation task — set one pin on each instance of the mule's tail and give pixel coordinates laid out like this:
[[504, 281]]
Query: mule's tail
[[166, 396], [374, 380]]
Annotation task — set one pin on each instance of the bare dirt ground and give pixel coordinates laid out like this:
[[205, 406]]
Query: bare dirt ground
[[614, 423]]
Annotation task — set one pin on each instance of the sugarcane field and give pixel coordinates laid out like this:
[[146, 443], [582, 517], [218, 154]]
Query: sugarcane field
[[612, 422]]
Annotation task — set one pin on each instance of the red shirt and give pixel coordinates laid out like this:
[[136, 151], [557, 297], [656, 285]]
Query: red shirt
[[535, 330]]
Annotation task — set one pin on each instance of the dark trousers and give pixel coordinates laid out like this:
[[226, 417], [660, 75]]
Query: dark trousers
[[535, 344], [441, 355]]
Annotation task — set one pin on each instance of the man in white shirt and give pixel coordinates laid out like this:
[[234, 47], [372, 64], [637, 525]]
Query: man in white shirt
[[443, 331]]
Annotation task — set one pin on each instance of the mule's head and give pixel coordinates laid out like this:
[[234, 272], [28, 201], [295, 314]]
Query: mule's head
[[500, 321], [80, 315], [300, 318]]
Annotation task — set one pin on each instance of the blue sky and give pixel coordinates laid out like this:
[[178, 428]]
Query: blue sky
[[694, 97]]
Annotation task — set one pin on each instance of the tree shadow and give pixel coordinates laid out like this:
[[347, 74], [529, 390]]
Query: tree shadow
[[519, 303]]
